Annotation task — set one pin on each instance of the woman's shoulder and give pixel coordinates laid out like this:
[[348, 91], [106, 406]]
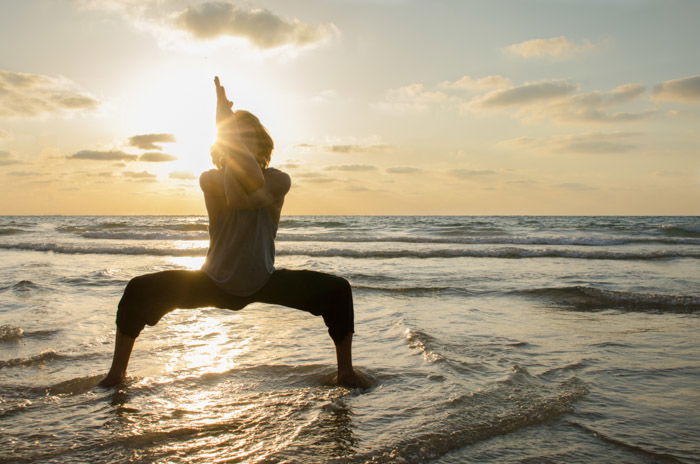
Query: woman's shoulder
[[211, 181], [278, 181]]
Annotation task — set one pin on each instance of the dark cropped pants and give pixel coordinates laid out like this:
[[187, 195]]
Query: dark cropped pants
[[149, 297]]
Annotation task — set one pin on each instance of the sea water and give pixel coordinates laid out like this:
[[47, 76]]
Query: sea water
[[488, 339]]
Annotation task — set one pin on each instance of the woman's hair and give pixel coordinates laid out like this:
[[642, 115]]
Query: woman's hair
[[243, 132]]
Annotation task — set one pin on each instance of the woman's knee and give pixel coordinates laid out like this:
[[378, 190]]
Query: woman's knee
[[341, 288], [339, 313], [131, 317]]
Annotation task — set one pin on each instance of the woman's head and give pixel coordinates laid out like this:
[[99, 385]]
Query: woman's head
[[244, 133]]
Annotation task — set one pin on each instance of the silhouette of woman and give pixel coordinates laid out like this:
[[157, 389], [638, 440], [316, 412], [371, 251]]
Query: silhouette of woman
[[244, 199]]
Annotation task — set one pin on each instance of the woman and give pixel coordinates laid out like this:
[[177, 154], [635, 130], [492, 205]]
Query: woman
[[244, 199]]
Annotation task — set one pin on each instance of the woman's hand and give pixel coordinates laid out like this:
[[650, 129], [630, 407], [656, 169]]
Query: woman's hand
[[223, 104]]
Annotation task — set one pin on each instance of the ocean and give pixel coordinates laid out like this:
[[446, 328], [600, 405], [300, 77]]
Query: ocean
[[514, 339]]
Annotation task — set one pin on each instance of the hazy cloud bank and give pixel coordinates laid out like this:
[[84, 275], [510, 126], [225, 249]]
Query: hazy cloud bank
[[403, 170], [534, 92], [585, 143], [156, 157], [182, 175], [150, 141], [178, 22], [6, 158], [683, 90], [559, 48], [260, 26], [551, 100], [352, 167], [347, 148], [96, 155], [25, 95]]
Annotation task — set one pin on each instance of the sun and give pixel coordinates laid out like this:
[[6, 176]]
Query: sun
[[178, 99]]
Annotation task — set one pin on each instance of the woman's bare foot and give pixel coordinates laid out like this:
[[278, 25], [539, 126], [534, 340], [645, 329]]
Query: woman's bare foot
[[111, 380], [354, 379]]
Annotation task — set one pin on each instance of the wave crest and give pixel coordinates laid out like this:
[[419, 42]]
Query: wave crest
[[10, 231], [32, 360], [681, 230], [503, 252], [590, 298], [10, 333]]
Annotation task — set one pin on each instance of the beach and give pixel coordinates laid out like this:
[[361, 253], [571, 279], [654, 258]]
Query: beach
[[490, 339]]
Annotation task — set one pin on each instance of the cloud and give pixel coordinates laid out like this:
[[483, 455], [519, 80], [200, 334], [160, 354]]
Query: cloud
[[609, 143], [330, 97], [211, 21], [308, 175], [597, 106], [403, 170], [354, 148], [24, 95], [470, 83], [150, 141], [139, 175], [471, 173], [526, 94], [685, 90], [591, 142], [182, 175], [556, 101], [347, 148], [22, 173], [288, 165], [575, 186], [6, 158], [314, 177], [103, 155], [352, 167], [260, 26], [668, 173], [357, 188], [553, 100], [413, 98], [559, 48], [156, 157], [5, 135]]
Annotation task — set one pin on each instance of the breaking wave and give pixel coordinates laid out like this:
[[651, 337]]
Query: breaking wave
[[10, 333], [414, 291], [116, 227], [32, 360], [503, 252], [22, 286], [41, 358], [589, 298], [10, 231], [519, 401], [680, 230], [145, 235]]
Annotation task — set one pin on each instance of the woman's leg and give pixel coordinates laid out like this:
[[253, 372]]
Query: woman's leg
[[322, 295], [148, 298], [122, 352]]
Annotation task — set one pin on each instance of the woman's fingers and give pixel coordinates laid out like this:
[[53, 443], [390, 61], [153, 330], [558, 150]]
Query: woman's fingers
[[221, 93]]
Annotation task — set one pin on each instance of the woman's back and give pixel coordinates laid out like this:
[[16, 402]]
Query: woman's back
[[241, 252]]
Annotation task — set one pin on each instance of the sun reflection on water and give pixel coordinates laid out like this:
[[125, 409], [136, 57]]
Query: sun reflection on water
[[209, 349], [191, 263]]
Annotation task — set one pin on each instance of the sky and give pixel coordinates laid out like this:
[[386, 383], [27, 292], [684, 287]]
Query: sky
[[475, 107]]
